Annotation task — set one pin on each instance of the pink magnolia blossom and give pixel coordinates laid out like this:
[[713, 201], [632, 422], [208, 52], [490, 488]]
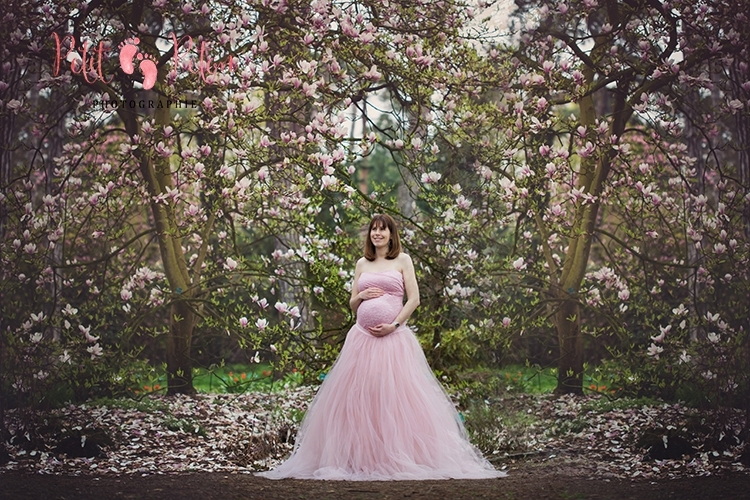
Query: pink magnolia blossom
[[519, 264], [663, 332], [282, 307], [373, 74], [230, 264]]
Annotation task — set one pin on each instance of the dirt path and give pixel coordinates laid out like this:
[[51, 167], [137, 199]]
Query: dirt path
[[524, 483]]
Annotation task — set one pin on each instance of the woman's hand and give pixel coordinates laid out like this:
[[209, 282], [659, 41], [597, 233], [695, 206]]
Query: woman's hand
[[382, 329], [370, 293]]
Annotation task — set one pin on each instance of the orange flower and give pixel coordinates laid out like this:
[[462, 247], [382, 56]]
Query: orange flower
[[146, 387], [244, 376], [157, 387], [592, 387], [266, 373]]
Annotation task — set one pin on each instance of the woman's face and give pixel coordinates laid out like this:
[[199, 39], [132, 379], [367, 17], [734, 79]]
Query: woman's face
[[380, 236]]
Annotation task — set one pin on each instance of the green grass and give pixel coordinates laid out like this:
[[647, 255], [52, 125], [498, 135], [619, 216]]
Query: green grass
[[529, 379], [604, 405], [537, 380], [239, 378], [222, 379]]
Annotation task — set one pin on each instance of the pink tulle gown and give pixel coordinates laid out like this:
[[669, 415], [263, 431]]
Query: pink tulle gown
[[381, 414]]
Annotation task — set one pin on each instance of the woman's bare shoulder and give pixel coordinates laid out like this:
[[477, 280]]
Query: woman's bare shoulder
[[404, 262], [404, 258], [360, 263]]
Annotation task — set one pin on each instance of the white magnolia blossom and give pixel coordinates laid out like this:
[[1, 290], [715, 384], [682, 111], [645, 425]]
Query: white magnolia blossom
[[86, 333], [328, 182], [95, 350], [680, 311], [654, 350], [685, 357], [430, 177]]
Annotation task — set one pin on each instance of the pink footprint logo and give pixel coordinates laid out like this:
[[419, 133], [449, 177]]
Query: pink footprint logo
[[148, 68], [129, 51]]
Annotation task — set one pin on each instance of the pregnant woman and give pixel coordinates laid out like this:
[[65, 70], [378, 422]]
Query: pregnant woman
[[381, 414]]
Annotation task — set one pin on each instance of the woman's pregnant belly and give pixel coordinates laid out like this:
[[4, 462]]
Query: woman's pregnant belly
[[383, 309]]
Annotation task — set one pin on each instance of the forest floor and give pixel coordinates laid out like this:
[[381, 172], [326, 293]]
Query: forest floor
[[524, 482], [207, 446]]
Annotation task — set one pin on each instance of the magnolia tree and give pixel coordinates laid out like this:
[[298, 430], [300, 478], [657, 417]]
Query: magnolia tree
[[595, 170], [171, 168], [182, 170]]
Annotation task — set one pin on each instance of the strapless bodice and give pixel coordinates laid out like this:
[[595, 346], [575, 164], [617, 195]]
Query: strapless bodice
[[385, 308]]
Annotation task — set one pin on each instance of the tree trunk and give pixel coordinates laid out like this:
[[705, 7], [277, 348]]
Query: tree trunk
[[743, 164], [179, 360], [157, 177], [694, 140], [570, 365]]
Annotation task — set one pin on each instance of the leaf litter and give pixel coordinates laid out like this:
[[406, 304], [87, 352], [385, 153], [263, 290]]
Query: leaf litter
[[241, 433]]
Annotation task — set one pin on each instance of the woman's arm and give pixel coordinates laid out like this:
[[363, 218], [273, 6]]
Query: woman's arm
[[412, 291], [357, 296], [355, 300]]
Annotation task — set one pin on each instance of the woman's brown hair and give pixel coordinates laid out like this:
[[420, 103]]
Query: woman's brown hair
[[394, 245]]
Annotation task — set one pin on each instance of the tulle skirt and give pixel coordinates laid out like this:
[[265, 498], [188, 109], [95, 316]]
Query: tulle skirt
[[381, 414]]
